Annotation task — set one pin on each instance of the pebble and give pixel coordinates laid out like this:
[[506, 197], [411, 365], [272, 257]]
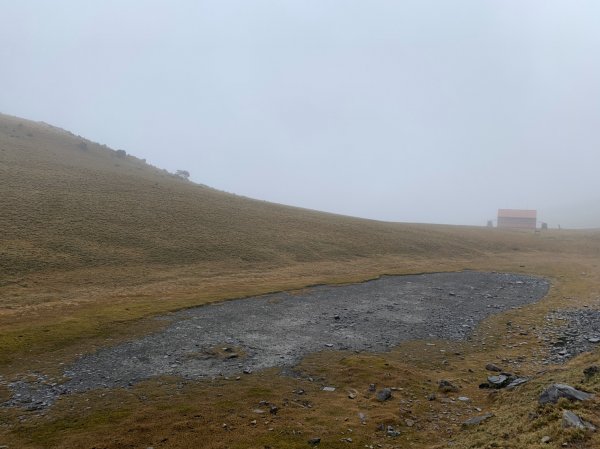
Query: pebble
[[328, 388], [384, 395], [391, 432], [546, 439], [492, 367], [446, 386]]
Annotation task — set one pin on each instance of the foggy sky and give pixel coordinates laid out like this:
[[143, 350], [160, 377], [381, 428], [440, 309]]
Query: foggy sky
[[421, 111]]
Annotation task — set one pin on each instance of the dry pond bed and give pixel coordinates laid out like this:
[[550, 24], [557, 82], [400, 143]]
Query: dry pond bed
[[241, 336]]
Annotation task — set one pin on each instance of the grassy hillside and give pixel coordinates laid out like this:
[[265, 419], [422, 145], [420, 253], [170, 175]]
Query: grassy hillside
[[69, 203]]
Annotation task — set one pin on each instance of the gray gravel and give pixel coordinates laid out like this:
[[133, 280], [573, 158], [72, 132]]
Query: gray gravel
[[277, 330], [571, 332]]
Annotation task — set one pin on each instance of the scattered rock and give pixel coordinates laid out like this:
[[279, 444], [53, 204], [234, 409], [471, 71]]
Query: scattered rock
[[384, 395], [546, 439], [492, 367], [476, 420], [247, 370], [431, 397], [463, 399], [391, 432], [516, 382], [371, 388], [570, 333], [498, 381], [362, 418], [346, 440], [314, 441], [570, 419], [328, 388], [556, 391], [409, 422], [447, 386], [273, 409], [352, 394]]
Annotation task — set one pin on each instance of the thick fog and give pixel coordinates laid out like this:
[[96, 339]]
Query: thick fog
[[421, 111]]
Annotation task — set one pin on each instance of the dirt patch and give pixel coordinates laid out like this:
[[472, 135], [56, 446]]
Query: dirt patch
[[278, 330]]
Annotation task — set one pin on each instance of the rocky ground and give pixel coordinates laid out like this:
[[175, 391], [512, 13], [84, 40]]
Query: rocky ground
[[235, 338], [571, 332]]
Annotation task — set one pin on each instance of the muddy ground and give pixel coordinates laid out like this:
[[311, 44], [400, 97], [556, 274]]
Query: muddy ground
[[277, 330]]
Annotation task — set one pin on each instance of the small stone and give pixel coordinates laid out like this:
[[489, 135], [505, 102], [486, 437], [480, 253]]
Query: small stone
[[556, 391], [329, 345], [247, 370], [362, 418], [384, 395], [371, 387], [352, 394], [476, 420], [516, 382], [336, 317], [492, 367], [447, 386], [463, 399], [253, 422], [546, 439], [593, 339], [431, 397], [273, 409], [409, 422], [328, 388], [346, 440], [314, 441], [498, 381], [391, 432]]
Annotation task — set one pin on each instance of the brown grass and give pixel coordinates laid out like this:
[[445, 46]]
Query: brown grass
[[92, 245]]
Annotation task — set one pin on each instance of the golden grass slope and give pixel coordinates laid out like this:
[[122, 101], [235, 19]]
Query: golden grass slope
[[69, 203]]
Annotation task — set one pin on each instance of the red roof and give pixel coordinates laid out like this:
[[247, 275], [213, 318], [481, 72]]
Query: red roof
[[517, 213]]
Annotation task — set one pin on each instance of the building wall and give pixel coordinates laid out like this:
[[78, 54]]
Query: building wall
[[516, 222]]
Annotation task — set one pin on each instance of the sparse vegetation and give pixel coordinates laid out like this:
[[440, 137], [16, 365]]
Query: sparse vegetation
[[184, 174]]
